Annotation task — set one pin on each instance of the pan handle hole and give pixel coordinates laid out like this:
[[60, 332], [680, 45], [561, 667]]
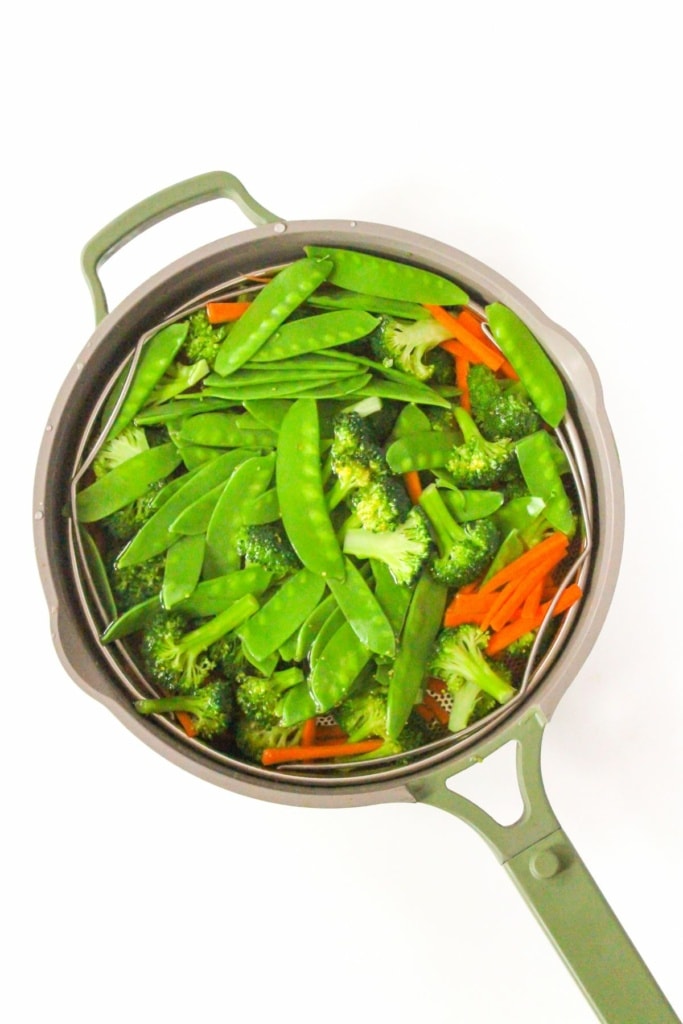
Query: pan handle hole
[[492, 785]]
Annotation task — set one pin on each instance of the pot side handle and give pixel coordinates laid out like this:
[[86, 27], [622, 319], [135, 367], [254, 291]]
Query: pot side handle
[[163, 204], [558, 887]]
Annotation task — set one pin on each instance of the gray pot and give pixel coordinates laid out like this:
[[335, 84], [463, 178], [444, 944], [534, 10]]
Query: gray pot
[[534, 850]]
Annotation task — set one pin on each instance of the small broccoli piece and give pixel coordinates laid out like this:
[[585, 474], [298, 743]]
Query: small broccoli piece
[[442, 419], [260, 697], [355, 457], [252, 738], [228, 656], [441, 364], [203, 340], [363, 715], [500, 408], [269, 546], [464, 551], [179, 658], [405, 345], [459, 660], [135, 583], [211, 707], [382, 505], [478, 462], [404, 550], [117, 450]]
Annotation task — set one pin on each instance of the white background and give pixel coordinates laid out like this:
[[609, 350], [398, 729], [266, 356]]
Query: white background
[[543, 139]]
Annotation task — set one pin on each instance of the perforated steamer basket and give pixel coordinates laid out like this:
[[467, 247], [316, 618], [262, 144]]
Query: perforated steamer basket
[[535, 850]]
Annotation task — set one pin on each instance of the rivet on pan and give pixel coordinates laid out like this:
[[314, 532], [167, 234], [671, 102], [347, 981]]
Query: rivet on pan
[[279, 228], [38, 514], [545, 864], [48, 427], [353, 224]]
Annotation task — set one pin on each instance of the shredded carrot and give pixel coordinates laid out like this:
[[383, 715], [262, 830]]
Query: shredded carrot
[[308, 736], [439, 712], [504, 637], [557, 542], [317, 752], [225, 312], [413, 485], [462, 368], [533, 600], [457, 350], [483, 352], [514, 596], [467, 608], [187, 722]]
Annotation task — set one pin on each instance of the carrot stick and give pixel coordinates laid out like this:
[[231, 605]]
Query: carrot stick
[[533, 600], [504, 637], [437, 710], [187, 722], [413, 485], [224, 312], [466, 608], [472, 323], [515, 594], [317, 752], [456, 349], [308, 736], [484, 352], [462, 368], [557, 543], [329, 734]]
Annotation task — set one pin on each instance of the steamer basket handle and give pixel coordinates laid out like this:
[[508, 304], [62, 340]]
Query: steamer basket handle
[[558, 887], [191, 192]]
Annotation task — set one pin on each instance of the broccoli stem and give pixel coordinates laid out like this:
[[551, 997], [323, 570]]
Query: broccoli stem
[[179, 702], [464, 700], [470, 430], [447, 531]]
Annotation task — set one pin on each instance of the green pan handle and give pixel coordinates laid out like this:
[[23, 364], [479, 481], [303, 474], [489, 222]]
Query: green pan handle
[[191, 192], [558, 887]]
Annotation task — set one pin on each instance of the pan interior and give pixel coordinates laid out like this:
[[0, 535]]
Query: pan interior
[[124, 666]]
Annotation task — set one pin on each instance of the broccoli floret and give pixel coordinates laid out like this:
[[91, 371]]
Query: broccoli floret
[[260, 697], [404, 550], [405, 345], [441, 364], [363, 715], [211, 707], [478, 462], [382, 505], [135, 583], [355, 457], [458, 659], [203, 340], [464, 551], [179, 658], [252, 737], [131, 441], [269, 546], [228, 656], [500, 408]]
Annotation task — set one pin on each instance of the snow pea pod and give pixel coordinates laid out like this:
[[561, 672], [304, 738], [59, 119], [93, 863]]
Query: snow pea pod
[[158, 353], [179, 409], [423, 621], [264, 509], [98, 572], [418, 394], [539, 469], [363, 612], [247, 482], [362, 272], [467, 506], [155, 536], [291, 388], [311, 626], [196, 517], [269, 411], [337, 668], [182, 570], [297, 705], [125, 483], [313, 333], [536, 372], [425, 449], [271, 307], [393, 597], [410, 420], [283, 614], [300, 493], [334, 620], [221, 430], [340, 298]]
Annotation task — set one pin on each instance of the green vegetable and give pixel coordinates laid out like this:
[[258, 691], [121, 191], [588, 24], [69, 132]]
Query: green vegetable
[[403, 550], [261, 697], [528, 358], [211, 707], [313, 333], [406, 346], [284, 613], [459, 661], [464, 552], [182, 570], [126, 483], [270, 308], [249, 480], [362, 272], [478, 462], [363, 612], [539, 469]]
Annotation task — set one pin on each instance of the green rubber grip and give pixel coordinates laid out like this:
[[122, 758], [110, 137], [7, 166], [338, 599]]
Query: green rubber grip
[[163, 204], [556, 884]]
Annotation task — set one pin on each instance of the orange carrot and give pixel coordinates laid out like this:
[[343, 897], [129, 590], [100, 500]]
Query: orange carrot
[[533, 600], [329, 734], [438, 712], [500, 614], [187, 722], [318, 752], [504, 637], [472, 323], [466, 608], [308, 736], [484, 352], [413, 485], [462, 368], [556, 543], [457, 350], [225, 312]]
